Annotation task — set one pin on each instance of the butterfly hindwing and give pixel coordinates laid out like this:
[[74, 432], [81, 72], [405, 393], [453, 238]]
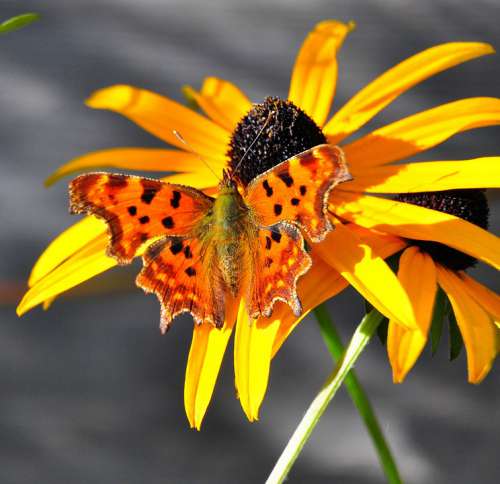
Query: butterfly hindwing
[[280, 259], [137, 209], [297, 190], [181, 272]]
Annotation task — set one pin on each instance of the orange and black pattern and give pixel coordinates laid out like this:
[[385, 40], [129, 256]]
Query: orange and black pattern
[[137, 209]]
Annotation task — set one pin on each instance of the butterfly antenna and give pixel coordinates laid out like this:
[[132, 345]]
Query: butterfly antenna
[[253, 142], [191, 150]]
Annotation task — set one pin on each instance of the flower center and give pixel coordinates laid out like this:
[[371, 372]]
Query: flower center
[[286, 131], [470, 205]]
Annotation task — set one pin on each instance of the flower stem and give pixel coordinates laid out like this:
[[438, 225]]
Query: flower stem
[[359, 340], [358, 396]]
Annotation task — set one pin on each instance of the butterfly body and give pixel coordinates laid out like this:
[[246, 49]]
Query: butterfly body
[[248, 242], [227, 231]]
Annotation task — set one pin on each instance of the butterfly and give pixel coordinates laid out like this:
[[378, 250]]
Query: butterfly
[[246, 242]]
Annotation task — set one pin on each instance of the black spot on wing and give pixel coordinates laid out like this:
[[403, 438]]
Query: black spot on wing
[[268, 242], [187, 252], [295, 201], [286, 178], [176, 199], [176, 247], [148, 194], [168, 222], [267, 188], [276, 236], [144, 220], [190, 271], [132, 210], [303, 190], [278, 209], [268, 262]]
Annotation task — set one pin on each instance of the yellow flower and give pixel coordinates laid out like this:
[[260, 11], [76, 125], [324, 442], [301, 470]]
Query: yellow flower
[[423, 267], [354, 253]]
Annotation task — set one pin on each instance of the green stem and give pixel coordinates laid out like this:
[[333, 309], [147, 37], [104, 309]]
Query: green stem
[[359, 340], [358, 396]]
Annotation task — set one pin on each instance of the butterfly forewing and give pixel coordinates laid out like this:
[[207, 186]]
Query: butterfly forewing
[[297, 190], [137, 209]]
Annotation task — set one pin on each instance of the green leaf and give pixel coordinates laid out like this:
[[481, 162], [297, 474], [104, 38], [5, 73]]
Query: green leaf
[[440, 310], [456, 341], [18, 22]]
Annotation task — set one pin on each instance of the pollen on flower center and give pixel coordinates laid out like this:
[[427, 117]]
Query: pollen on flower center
[[470, 205], [287, 132]]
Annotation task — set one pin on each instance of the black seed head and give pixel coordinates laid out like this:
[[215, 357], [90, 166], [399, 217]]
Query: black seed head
[[470, 205], [288, 132]]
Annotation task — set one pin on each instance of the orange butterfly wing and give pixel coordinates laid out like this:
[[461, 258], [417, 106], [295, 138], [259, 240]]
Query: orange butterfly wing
[[297, 190], [176, 270], [137, 209], [280, 259]]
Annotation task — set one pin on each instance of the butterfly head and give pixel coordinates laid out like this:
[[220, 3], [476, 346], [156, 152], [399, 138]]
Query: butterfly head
[[228, 184]]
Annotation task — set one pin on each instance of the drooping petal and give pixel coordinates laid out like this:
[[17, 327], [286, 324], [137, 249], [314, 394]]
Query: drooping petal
[[417, 274], [222, 101], [323, 282], [142, 159], [66, 245], [162, 116], [82, 265], [392, 83], [314, 75], [368, 273], [205, 357], [486, 298], [252, 359], [478, 331], [421, 131], [427, 176], [414, 222]]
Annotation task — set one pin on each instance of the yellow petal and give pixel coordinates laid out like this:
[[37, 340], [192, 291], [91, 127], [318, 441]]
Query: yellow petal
[[421, 131], [478, 331], [385, 88], [314, 75], [202, 179], [84, 264], [427, 176], [252, 359], [486, 298], [417, 274], [414, 222], [368, 274], [67, 244], [143, 159], [222, 101], [323, 282], [161, 116], [205, 357]]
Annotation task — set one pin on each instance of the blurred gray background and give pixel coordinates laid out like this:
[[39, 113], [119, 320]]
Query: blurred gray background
[[90, 392]]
